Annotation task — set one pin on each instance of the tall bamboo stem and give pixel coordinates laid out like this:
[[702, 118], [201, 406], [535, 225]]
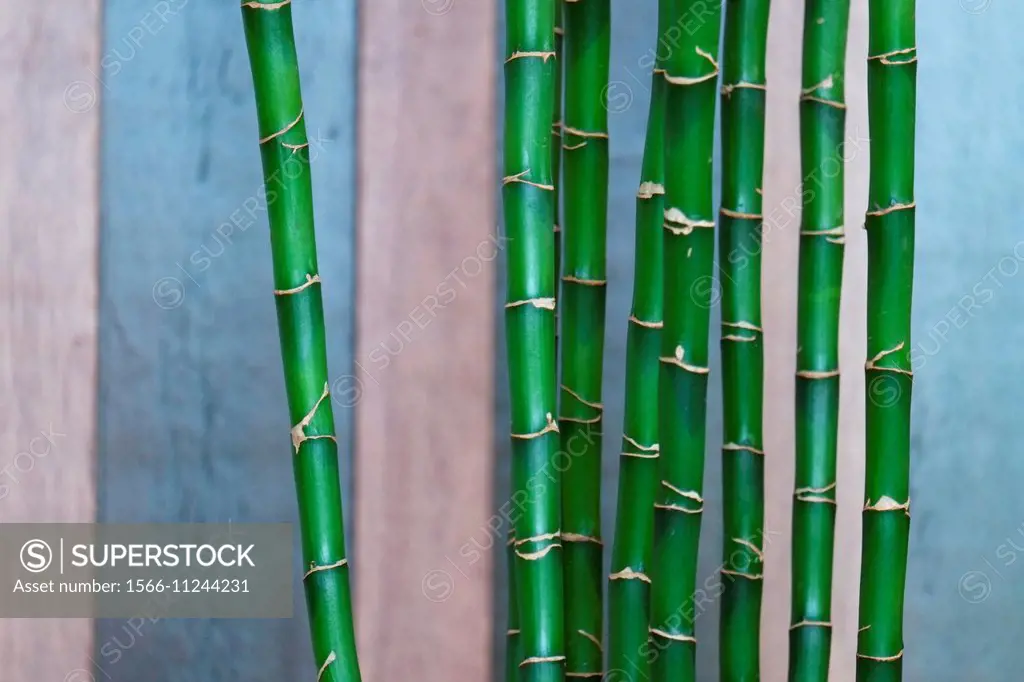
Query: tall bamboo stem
[[743, 116], [300, 318], [822, 129], [892, 83], [689, 244], [530, 328], [629, 584], [585, 157]]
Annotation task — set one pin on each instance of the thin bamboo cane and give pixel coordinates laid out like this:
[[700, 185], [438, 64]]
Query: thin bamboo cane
[[530, 329], [689, 245], [822, 130], [743, 121], [585, 156], [892, 83], [300, 316], [629, 586]]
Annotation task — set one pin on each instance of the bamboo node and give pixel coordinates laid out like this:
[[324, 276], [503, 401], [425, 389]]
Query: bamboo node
[[751, 546], [585, 282], [678, 222], [829, 232], [540, 538], [739, 338], [299, 430], [310, 281], [826, 84], [577, 537], [878, 213], [688, 494], [522, 55], [649, 190], [518, 177], [295, 147], [592, 134], [313, 568], [822, 100], [266, 6], [595, 673], [629, 574], [541, 303], [331, 657], [739, 215], [675, 636], [577, 396], [728, 89], [813, 374], [512, 632], [872, 363], [677, 360], [739, 447], [541, 659], [650, 324], [882, 659], [679, 508], [750, 326], [811, 624], [885, 504], [592, 638], [282, 131], [640, 455], [639, 446], [539, 554], [551, 427], [886, 57], [690, 80], [741, 574], [573, 147], [824, 489]]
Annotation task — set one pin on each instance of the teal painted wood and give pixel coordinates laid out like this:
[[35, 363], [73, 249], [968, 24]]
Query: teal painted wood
[[965, 578], [193, 421]]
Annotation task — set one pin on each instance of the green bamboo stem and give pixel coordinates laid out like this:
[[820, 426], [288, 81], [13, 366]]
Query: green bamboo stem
[[743, 123], [892, 84], [629, 585], [300, 317], [585, 157], [556, 159], [689, 244], [822, 130], [530, 331]]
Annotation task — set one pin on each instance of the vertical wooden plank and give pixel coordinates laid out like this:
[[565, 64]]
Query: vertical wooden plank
[[782, 192], [423, 382], [48, 298]]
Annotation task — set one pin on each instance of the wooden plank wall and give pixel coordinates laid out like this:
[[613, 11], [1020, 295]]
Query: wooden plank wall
[[48, 298], [424, 356]]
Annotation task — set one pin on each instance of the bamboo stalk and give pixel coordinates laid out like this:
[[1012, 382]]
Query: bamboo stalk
[[300, 317], [743, 122], [822, 130], [689, 244], [629, 585], [556, 161], [585, 157], [530, 329], [892, 84]]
